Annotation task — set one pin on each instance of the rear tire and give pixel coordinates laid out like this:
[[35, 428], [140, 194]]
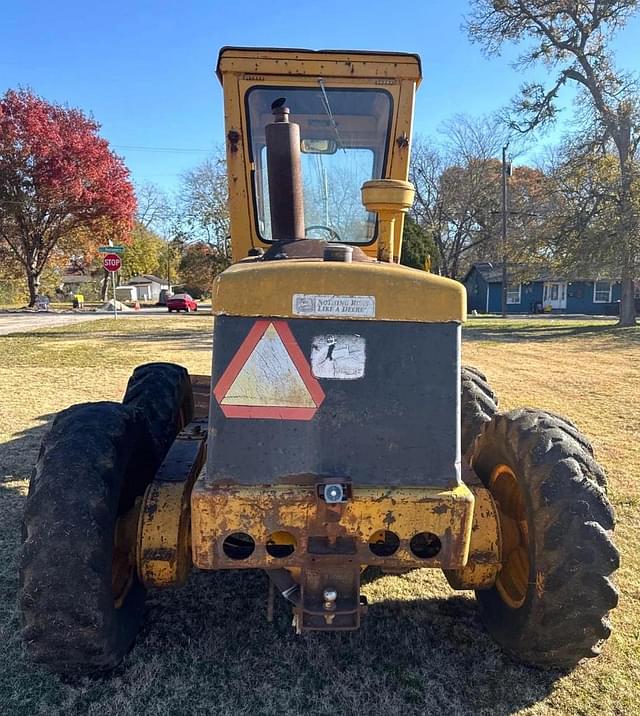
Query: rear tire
[[479, 404], [161, 394], [566, 594], [93, 463]]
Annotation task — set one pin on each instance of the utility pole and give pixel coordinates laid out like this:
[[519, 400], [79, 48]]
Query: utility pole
[[505, 172]]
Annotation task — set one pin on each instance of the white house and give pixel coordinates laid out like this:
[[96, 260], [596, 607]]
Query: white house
[[148, 287]]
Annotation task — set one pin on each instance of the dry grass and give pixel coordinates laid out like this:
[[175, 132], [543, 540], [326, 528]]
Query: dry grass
[[207, 649]]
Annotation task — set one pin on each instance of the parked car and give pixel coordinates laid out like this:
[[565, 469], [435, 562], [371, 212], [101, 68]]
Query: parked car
[[181, 302], [165, 294]]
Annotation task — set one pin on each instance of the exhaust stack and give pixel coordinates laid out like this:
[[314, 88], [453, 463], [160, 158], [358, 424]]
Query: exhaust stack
[[285, 176]]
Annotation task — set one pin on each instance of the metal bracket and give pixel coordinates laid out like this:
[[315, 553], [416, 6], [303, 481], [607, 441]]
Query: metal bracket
[[164, 554]]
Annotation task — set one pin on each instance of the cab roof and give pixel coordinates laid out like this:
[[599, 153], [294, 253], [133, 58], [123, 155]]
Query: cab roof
[[341, 63]]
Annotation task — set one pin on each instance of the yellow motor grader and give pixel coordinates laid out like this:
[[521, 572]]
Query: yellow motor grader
[[337, 430]]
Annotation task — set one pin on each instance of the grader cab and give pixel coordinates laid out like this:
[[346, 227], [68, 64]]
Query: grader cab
[[338, 429]]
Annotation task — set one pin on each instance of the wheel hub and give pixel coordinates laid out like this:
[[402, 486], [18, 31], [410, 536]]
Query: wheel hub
[[512, 581]]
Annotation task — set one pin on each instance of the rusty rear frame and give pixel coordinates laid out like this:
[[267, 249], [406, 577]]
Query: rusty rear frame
[[350, 528], [311, 547]]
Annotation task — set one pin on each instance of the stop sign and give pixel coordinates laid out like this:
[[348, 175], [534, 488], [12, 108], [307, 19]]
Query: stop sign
[[112, 262]]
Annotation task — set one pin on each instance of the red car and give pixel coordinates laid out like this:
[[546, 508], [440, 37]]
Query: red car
[[181, 302]]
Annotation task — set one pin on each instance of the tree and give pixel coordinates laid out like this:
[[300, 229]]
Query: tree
[[153, 208], [458, 197], [572, 38], [418, 248], [582, 222], [11, 283], [145, 254], [57, 176], [199, 264], [203, 206]]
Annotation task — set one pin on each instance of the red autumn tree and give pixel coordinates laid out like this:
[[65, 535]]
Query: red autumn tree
[[58, 178]]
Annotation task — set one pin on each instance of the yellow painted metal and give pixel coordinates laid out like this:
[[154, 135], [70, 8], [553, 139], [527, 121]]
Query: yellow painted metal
[[164, 554], [401, 294], [241, 69], [260, 61], [260, 511], [485, 548], [512, 582], [391, 199]]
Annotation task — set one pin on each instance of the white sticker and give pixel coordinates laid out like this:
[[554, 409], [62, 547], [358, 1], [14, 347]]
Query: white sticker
[[338, 357], [312, 304]]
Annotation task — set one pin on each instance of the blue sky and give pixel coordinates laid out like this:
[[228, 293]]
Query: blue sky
[[145, 68]]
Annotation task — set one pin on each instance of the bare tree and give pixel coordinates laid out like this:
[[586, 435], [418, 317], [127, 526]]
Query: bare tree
[[458, 195], [572, 39], [153, 207], [203, 213]]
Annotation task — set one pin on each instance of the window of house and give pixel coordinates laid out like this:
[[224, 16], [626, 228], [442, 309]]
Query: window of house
[[514, 294], [602, 291]]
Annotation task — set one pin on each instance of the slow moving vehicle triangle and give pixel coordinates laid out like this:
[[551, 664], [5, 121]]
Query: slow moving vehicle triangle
[[269, 377]]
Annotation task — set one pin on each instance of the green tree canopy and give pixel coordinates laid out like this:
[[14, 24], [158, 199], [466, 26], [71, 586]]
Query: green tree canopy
[[146, 254], [418, 247], [199, 264]]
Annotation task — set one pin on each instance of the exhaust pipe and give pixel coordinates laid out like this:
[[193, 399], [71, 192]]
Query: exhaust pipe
[[286, 200]]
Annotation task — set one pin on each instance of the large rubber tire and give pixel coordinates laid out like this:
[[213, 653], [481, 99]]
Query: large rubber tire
[[94, 461], [564, 616], [162, 396], [479, 404]]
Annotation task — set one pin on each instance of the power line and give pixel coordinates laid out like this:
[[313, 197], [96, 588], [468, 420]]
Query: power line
[[179, 150]]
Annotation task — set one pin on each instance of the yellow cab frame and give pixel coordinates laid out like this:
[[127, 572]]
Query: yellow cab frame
[[241, 69]]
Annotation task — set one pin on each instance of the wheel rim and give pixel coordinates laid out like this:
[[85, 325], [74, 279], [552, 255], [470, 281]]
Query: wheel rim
[[512, 581]]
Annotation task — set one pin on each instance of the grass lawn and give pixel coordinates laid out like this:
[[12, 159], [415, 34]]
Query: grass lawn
[[207, 648]]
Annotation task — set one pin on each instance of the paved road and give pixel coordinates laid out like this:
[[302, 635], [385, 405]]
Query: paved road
[[23, 322]]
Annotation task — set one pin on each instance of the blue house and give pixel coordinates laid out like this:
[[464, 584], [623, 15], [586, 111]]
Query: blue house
[[542, 292]]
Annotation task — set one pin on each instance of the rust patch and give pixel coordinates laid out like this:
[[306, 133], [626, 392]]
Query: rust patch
[[234, 138], [151, 507], [161, 555], [402, 141], [301, 511], [440, 509], [385, 496]]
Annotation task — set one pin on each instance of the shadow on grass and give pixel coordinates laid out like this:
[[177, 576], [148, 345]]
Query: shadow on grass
[[18, 455], [541, 333], [208, 649], [422, 656]]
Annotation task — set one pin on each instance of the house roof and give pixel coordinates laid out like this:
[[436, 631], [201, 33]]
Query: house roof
[[144, 279], [492, 273]]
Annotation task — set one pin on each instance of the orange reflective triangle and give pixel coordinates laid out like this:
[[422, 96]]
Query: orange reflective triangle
[[269, 377]]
